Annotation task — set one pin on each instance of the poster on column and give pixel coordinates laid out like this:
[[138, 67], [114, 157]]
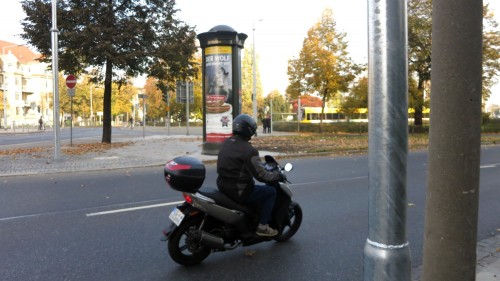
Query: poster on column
[[218, 80]]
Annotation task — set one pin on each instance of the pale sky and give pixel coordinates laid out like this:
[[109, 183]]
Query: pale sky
[[280, 28]]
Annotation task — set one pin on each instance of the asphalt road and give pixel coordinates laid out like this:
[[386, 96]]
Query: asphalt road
[[77, 134], [105, 226]]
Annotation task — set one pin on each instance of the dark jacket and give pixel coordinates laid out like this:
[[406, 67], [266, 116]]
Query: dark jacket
[[237, 164]]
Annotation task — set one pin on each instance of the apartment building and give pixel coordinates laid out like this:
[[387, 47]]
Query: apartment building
[[25, 85]]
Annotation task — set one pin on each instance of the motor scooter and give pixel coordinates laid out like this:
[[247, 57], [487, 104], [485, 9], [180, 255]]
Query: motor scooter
[[208, 221]]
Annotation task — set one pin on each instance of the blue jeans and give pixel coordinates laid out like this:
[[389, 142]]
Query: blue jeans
[[265, 196]]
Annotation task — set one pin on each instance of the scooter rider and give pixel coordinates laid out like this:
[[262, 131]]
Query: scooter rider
[[238, 164]]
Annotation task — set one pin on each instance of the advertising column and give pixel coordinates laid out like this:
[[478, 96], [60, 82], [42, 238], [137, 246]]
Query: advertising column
[[219, 93], [221, 71]]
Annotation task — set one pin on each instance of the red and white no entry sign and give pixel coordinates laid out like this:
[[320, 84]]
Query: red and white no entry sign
[[71, 81]]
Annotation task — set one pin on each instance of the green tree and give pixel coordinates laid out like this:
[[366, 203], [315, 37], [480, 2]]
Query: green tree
[[296, 77], [324, 65], [121, 98], [491, 51], [357, 98], [80, 103], [123, 38], [419, 52], [157, 105], [247, 83], [176, 61], [276, 102]]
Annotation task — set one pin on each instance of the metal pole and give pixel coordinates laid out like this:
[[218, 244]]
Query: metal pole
[[144, 116], [451, 213], [5, 107], [254, 81], [168, 117], [299, 114], [271, 121], [71, 123], [187, 108], [135, 102], [91, 109], [55, 79], [387, 253]]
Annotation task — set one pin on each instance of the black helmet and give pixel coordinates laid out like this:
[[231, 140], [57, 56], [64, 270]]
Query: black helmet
[[244, 125]]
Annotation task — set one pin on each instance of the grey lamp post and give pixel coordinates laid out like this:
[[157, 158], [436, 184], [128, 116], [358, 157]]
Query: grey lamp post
[[254, 76]]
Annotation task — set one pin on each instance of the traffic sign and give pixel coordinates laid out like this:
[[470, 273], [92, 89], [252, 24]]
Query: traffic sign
[[181, 91], [71, 81]]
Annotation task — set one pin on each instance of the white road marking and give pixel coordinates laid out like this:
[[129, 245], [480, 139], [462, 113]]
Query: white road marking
[[19, 217], [488, 166], [93, 208], [329, 181], [132, 209]]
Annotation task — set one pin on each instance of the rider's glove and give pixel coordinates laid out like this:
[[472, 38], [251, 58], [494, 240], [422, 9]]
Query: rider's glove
[[282, 177]]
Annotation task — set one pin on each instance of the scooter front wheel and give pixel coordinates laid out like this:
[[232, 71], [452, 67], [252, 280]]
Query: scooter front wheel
[[184, 244], [292, 224]]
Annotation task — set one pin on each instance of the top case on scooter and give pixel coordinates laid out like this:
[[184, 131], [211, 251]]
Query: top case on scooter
[[185, 174]]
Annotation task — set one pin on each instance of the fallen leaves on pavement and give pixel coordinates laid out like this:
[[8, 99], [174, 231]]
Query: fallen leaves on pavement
[[331, 144], [76, 149]]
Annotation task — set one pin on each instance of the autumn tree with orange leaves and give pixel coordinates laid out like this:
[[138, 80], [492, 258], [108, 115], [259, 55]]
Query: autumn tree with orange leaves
[[324, 65]]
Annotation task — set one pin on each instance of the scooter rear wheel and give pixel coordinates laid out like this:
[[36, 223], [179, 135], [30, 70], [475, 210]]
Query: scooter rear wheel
[[292, 225], [184, 246]]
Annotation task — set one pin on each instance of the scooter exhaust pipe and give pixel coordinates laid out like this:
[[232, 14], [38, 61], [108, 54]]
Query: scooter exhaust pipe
[[212, 240]]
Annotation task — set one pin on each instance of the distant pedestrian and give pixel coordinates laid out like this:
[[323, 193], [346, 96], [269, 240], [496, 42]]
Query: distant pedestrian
[[40, 123], [267, 128], [131, 122]]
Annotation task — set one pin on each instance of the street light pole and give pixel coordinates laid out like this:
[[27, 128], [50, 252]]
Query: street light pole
[[254, 88], [55, 79], [187, 107], [254, 75], [91, 109], [91, 104]]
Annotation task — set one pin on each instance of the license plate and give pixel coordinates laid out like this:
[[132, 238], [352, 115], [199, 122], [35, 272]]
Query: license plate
[[176, 216]]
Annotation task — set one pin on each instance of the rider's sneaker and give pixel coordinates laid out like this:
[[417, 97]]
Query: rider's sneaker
[[265, 230]]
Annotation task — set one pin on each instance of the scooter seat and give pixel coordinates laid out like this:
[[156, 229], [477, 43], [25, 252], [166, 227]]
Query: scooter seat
[[223, 200]]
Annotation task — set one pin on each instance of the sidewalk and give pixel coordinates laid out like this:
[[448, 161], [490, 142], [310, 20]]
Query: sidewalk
[[146, 151], [142, 152], [488, 261], [156, 151]]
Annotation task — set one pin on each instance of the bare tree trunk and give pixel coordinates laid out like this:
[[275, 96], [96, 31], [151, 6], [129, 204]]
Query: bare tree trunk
[[108, 80]]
